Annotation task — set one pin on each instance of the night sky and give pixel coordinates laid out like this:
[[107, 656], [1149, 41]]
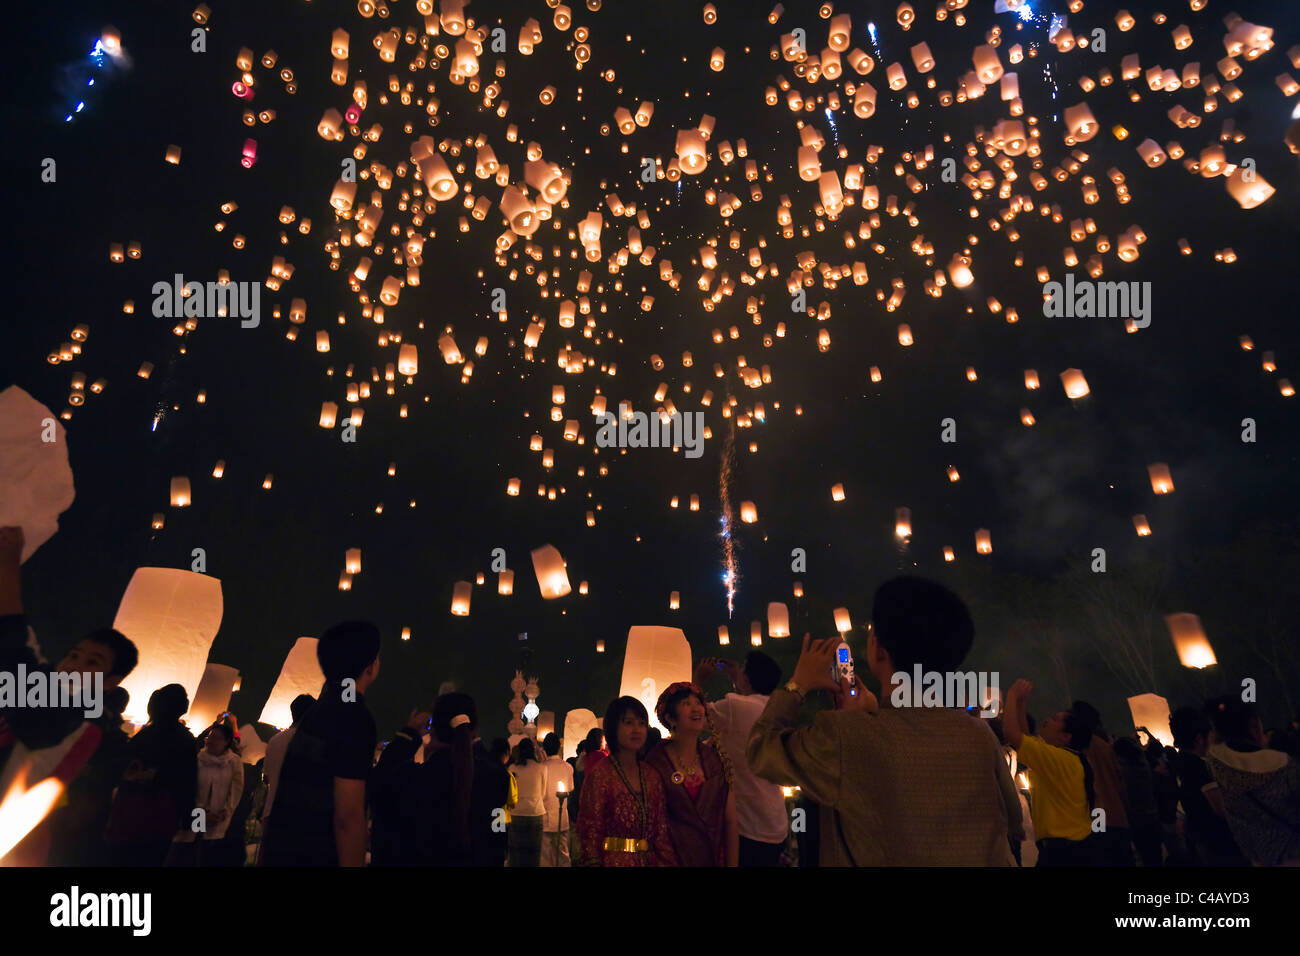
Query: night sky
[[1175, 392]]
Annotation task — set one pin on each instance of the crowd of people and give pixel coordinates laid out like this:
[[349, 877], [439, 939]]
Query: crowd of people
[[757, 777]]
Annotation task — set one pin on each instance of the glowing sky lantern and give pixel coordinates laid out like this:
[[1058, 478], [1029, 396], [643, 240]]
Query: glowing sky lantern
[[408, 360], [983, 541], [960, 272], [172, 617], [1190, 642], [505, 582], [460, 595], [1249, 193], [1076, 386], [552, 578], [778, 620], [843, 623], [212, 696], [180, 493], [655, 658], [352, 561], [1080, 123], [903, 523], [300, 674], [748, 512], [1152, 712], [1141, 526], [1162, 483], [837, 492], [674, 601], [692, 154], [577, 724]]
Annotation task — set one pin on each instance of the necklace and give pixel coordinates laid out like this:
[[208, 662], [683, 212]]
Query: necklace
[[643, 810], [681, 771]]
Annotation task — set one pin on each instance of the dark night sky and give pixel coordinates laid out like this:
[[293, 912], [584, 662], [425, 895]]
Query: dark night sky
[[1175, 392]]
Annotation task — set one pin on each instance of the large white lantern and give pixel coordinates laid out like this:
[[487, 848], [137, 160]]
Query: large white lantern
[[172, 617], [301, 674], [655, 658]]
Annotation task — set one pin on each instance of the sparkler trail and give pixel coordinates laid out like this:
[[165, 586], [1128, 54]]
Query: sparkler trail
[[729, 576]]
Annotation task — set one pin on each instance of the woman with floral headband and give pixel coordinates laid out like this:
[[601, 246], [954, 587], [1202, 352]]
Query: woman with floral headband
[[697, 778], [622, 820]]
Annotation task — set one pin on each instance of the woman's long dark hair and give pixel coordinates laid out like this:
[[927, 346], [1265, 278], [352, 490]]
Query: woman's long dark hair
[[461, 739], [527, 751]]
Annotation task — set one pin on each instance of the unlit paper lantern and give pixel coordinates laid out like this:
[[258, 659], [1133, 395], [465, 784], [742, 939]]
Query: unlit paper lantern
[[172, 617]]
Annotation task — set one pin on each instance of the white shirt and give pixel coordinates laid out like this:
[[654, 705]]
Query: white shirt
[[760, 806], [531, 778], [276, 748], [558, 770]]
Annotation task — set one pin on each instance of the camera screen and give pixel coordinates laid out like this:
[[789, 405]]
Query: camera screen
[[844, 655]]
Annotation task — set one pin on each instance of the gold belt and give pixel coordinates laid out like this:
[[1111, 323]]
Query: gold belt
[[626, 845]]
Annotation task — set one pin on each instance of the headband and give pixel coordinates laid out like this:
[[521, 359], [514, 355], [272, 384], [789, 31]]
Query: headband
[[458, 720], [661, 706]]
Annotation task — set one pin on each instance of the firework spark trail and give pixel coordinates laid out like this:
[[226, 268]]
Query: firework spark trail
[[724, 493]]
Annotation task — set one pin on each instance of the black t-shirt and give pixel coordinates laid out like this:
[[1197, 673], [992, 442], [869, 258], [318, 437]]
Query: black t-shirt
[[335, 739]]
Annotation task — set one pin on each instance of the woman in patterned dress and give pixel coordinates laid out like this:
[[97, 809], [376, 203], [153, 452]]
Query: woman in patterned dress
[[623, 820]]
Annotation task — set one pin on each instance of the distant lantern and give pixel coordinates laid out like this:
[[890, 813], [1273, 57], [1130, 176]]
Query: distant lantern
[[1031, 379], [755, 634], [798, 589], [406, 633], [505, 582], [843, 623], [778, 620], [983, 542], [1076, 386], [352, 560], [1162, 483], [180, 493], [724, 638], [460, 595], [837, 492], [904, 335], [748, 512], [674, 601], [1190, 642], [948, 554], [903, 522], [600, 647], [408, 360], [219, 469], [552, 578], [1140, 525]]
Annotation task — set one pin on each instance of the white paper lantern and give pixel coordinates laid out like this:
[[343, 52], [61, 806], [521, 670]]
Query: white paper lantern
[[172, 617], [577, 724], [778, 620], [1152, 712], [35, 479], [655, 658], [212, 697], [552, 578], [301, 674]]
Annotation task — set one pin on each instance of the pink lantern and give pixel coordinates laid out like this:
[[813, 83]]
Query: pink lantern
[[250, 154]]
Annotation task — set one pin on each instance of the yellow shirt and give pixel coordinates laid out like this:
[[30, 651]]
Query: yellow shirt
[[1057, 799]]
